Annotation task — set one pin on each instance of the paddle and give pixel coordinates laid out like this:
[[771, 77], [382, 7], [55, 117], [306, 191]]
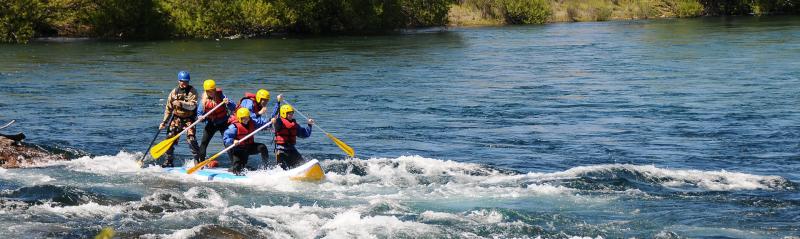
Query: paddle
[[201, 164], [6, 125], [163, 146], [141, 161], [344, 147]]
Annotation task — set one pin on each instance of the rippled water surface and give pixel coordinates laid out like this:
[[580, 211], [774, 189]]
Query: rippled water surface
[[666, 128]]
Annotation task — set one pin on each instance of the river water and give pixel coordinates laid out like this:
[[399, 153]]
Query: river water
[[662, 128]]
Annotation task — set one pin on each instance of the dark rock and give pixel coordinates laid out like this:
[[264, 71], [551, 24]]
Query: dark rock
[[15, 154]]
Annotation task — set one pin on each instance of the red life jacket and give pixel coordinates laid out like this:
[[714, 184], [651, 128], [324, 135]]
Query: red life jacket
[[288, 133], [256, 107], [242, 131], [219, 113]]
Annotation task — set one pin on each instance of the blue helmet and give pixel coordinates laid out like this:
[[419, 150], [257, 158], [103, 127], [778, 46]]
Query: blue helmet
[[183, 76]]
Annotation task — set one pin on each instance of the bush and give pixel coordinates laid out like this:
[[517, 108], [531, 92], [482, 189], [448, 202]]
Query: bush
[[688, 8], [589, 10], [19, 19], [138, 19], [526, 11]]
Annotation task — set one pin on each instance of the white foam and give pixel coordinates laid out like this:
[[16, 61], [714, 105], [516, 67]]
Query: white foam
[[25, 177], [709, 180], [177, 234], [206, 196], [103, 165], [87, 210], [351, 224]]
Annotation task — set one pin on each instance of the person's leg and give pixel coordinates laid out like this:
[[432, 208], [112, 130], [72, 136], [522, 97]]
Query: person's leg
[[208, 133], [281, 157], [294, 158], [173, 129], [190, 138], [238, 160], [261, 149]]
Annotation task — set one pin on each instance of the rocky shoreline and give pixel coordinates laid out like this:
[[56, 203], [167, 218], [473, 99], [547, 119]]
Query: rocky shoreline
[[15, 154]]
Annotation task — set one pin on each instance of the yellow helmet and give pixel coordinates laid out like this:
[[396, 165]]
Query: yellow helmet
[[261, 95], [242, 113], [286, 109], [209, 85]]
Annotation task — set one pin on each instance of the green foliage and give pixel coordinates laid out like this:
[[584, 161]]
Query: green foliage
[[425, 12], [637, 9], [126, 19], [19, 18], [513, 11], [589, 10], [687, 8], [526, 11]]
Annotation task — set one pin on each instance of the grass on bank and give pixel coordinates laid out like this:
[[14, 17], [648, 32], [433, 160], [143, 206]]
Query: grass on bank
[[22, 20]]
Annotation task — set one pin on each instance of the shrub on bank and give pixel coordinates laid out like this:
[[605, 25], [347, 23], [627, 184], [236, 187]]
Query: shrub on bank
[[19, 19]]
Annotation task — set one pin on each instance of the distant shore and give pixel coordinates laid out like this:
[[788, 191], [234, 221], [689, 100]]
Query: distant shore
[[24, 20]]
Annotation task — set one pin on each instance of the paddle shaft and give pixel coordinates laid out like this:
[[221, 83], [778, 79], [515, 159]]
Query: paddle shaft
[[304, 116], [154, 138], [201, 164], [6, 125], [346, 148]]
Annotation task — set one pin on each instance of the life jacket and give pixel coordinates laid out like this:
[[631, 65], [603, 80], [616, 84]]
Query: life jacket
[[288, 133], [183, 95], [242, 131], [256, 107], [220, 113]]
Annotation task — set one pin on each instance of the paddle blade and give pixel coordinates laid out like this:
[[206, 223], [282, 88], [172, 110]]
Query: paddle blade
[[347, 149], [162, 147], [201, 164]]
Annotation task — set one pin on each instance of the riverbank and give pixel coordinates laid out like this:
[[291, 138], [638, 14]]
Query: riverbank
[[504, 12], [23, 20]]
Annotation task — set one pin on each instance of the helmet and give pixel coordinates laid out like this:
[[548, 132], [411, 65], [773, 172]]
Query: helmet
[[286, 109], [242, 113], [209, 85], [183, 76], [262, 94]]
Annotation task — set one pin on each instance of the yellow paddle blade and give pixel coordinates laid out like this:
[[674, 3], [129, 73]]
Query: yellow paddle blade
[[162, 147], [201, 164], [349, 151]]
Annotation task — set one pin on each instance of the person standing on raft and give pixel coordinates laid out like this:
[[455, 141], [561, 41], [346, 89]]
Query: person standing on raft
[[286, 132], [217, 121], [182, 105], [243, 126]]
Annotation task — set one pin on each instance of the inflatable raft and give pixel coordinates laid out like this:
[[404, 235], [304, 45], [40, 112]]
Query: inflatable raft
[[309, 171]]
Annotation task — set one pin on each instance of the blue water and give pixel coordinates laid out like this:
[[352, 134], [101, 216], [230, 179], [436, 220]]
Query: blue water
[[662, 128]]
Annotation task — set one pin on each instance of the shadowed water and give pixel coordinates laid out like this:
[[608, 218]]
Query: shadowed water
[[665, 128]]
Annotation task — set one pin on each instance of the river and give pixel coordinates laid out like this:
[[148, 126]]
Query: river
[[655, 128]]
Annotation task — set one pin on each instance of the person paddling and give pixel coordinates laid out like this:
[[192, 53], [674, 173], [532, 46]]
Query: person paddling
[[243, 126], [286, 132], [183, 102], [256, 103], [217, 121]]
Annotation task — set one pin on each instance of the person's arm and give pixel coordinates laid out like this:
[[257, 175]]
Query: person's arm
[[303, 132], [229, 135], [248, 103], [259, 121], [277, 108], [167, 109], [201, 107], [231, 106], [191, 101]]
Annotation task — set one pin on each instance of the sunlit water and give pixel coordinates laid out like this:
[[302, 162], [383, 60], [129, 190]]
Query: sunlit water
[[666, 128]]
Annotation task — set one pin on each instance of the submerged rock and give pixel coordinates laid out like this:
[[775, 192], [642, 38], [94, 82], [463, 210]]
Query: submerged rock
[[15, 154]]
